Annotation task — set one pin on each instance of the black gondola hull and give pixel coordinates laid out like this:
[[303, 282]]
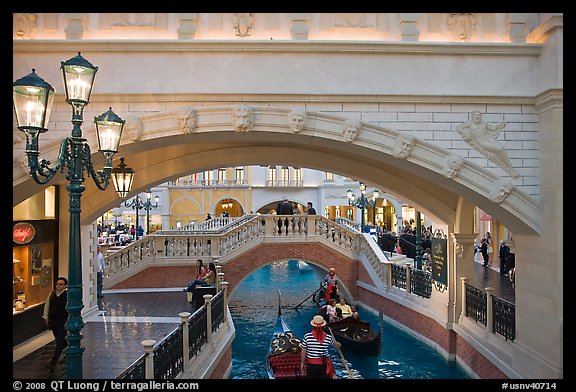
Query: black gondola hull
[[356, 335]]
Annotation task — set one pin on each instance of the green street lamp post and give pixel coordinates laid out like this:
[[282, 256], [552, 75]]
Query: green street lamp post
[[33, 99], [362, 202], [148, 205], [138, 204]]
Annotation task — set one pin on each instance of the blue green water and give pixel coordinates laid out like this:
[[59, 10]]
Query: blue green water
[[254, 308]]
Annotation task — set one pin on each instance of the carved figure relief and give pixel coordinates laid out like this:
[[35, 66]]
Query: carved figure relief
[[24, 25], [459, 250], [187, 120], [500, 191], [403, 147], [297, 119], [243, 119], [482, 137], [351, 130], [453, 165], [243, 24], [462, 25], [132, 19], [134, 128]]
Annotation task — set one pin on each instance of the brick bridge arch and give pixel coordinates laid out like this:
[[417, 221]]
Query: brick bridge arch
[[348, 270]]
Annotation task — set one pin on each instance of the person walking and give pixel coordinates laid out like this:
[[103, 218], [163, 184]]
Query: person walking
[[100, 273], [503, 253], [314, 354], [311, 210], [484, 251], [55, 316]]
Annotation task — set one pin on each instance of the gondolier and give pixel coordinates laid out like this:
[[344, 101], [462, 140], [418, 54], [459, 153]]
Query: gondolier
[[314, 354], [331, 281]]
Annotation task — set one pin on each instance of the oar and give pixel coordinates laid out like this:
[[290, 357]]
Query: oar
[[341, 355], [311, 295]]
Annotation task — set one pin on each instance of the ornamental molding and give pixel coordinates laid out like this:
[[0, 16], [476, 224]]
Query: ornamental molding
[[489, 191], [454, 163], [403, 146]]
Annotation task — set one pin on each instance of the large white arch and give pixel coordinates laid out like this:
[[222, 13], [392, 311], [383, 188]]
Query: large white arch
[[168, 148]]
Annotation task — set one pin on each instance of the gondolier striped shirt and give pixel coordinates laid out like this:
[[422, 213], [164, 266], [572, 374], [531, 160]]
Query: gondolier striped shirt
[[313, 347]]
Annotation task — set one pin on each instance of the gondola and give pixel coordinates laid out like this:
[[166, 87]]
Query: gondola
[[304, 266], [355, 334], [283, 358]]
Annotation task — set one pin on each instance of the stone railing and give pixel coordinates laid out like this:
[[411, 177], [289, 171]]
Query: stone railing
[[225, 242]]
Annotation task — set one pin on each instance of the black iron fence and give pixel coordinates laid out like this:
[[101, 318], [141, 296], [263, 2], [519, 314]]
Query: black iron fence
[[503, 312], [504, 318], [168, 354]]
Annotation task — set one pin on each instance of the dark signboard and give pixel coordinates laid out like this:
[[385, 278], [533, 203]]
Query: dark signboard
[[440, 260]]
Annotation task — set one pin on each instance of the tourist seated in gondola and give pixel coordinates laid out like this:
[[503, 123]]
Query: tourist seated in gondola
[[327, 311], [344, 307], [338, 316], [354, 309]]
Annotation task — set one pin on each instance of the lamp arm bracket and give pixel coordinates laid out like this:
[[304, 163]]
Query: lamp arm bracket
[[41, 171], [101, 177]]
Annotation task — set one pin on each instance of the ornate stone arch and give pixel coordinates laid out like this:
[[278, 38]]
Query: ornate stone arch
[[416, 174]]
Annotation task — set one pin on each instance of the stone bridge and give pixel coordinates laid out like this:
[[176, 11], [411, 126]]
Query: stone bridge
[[394, 106]]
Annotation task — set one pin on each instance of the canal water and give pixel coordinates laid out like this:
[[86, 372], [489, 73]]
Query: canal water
[[254, 308]]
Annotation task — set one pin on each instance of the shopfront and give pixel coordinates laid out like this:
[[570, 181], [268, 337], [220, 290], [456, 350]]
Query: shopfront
[[34, 261]]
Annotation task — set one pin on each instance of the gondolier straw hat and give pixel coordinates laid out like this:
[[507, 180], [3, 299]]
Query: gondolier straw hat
[[318, 321]]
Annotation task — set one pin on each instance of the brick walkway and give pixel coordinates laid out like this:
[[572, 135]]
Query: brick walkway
[[112, 339]]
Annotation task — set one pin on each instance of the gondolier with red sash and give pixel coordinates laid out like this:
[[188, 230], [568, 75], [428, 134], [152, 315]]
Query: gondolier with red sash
[[314, 354], [331, 281]]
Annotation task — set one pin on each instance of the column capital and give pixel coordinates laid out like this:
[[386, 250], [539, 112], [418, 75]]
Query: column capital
[[464, 238]]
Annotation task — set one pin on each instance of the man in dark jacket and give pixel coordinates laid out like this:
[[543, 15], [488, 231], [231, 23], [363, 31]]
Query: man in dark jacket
[[284, 208], [503, 254], [55, 316]]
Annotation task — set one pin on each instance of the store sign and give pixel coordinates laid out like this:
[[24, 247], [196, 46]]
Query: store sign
[[23, 233]]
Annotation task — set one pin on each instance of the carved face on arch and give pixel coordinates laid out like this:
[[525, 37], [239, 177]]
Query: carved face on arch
[[297, 120], [351, 130], [243, 119]]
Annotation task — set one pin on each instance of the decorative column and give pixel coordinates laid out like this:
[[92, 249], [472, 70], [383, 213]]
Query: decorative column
[[462, 267]]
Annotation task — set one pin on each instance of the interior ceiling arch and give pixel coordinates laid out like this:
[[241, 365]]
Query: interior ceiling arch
[[171, 153]]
